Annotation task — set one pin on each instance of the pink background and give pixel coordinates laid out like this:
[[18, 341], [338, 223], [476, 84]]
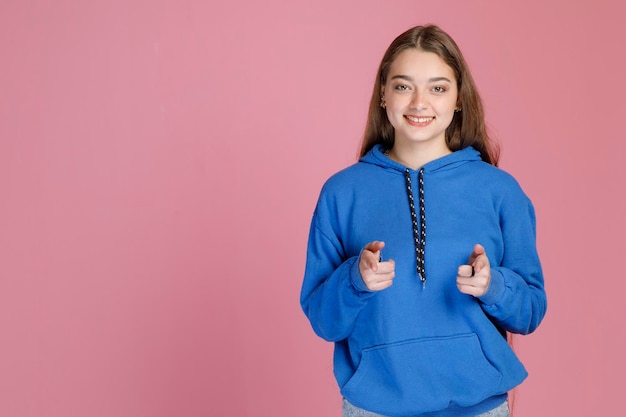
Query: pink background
[[159, 165]]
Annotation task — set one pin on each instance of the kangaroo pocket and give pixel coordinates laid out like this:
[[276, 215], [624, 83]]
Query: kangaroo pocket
[[422, 375]]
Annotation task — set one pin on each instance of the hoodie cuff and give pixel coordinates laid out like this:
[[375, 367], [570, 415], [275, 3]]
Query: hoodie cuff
[[496, 288], [356, 279]]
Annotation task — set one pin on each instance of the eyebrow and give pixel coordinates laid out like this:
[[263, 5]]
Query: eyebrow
[[430, 80]]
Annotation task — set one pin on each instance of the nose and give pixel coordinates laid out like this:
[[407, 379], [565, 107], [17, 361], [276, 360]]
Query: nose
[[418, 101]]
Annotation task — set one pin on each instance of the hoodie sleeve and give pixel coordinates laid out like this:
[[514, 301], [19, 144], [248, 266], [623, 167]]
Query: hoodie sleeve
[[333, 293], [516, 298]]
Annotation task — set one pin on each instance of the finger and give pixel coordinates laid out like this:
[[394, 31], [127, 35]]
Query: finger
[[386, 266], [380, 278], [469, 281], [478, 282], [382, 281], [466, 271], [370, 260], [476, 252], [384, 271], [379, 286], [372, 255], [374, 246], [376, 282], [481, 263], [470, 290], [476, 289]]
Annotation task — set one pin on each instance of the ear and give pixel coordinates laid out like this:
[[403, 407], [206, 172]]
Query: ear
[[382, 103]]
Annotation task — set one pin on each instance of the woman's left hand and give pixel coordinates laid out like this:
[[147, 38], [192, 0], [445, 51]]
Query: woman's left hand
[[474, 278]]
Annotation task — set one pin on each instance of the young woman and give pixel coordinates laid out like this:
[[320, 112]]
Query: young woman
[[422, 256]]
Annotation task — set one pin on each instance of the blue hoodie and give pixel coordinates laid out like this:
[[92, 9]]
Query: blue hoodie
[[423, 348]]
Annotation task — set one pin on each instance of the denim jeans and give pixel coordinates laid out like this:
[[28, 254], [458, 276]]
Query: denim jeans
[[350, 410]]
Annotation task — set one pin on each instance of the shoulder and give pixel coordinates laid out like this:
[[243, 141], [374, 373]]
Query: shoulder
[[350, 188], [371, 168], [496, 176], [349, 177], [512, 200], [502, 187]]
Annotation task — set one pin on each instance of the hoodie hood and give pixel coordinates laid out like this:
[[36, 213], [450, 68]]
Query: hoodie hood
[[376, 156]]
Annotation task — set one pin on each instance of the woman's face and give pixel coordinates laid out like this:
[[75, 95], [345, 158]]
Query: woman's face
[[420, 96]]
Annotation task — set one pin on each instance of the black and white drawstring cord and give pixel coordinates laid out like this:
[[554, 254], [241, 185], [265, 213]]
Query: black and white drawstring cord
[[419, 233]]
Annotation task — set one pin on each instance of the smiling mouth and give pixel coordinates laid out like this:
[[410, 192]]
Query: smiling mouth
[[419, 119]]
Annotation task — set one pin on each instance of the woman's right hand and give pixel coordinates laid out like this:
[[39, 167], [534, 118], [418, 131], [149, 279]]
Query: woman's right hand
[[376, 275]]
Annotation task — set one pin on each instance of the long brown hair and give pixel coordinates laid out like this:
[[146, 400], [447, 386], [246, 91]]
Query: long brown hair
[[468, 125]]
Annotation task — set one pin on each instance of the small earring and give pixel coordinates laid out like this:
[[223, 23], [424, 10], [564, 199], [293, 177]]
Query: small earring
[[382, 102], [458, 109]]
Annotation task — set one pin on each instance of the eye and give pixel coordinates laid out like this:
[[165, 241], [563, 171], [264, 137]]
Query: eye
[[401, 87], [439, 89]]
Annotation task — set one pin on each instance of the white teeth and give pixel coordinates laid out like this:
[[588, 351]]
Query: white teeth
[[419, 119]]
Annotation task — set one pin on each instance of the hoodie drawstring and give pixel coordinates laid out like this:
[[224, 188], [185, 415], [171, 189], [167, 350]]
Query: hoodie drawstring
[[419, 229]]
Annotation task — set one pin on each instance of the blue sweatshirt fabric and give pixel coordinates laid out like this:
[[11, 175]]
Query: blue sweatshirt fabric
[[418, 349]]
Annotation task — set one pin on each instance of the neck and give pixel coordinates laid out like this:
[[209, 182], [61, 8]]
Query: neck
[[417, 156]]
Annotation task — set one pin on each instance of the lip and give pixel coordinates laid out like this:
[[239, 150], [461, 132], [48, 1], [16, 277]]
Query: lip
[[419, 121]]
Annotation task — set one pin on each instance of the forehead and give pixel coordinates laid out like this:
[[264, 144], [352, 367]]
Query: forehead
[[420, 65]]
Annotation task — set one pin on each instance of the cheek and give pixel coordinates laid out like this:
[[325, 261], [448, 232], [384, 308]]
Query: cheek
[[394, 114], [448, 116], [447, 109], [396, 106]]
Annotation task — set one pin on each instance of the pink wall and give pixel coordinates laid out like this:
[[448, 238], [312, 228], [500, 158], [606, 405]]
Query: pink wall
[[159, 163]]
